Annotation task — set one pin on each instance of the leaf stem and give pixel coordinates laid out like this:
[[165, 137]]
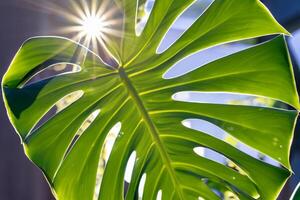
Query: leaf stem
[[152, 130]]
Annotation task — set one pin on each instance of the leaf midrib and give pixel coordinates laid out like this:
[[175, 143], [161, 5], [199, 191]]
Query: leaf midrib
[[152, 129]]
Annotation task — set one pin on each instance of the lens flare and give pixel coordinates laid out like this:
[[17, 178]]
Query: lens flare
[[93, 23], [92, 26]]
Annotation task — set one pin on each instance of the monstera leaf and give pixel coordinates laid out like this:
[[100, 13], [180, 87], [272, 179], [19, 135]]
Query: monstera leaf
[[136, 95]]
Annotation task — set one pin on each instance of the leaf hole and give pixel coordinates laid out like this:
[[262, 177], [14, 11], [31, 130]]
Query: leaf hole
[[129, 170], [224, 98], [185, 20], [53, 70], [130, 166], [84, 126], [221, 134], [89, 120], [159, 195], [68, 100], [144, 10], [201, 58], [105, 154], [59, 106], [256, 154], [217, 157], [205, 127], [142, 186]]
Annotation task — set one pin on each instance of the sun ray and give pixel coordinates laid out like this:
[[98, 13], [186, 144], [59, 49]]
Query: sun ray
[[86, 8], [78, 10], [94, 6], [96, 24], [104, 7], [95, 46], [109, 14], [52, 8]]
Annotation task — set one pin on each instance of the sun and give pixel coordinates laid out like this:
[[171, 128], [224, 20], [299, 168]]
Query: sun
[[92, 23], [92, 26]]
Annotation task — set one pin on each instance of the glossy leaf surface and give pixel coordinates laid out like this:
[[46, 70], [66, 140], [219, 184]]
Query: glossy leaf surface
[[136, 95]]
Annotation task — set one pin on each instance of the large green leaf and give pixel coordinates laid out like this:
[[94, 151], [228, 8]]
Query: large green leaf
[[137, 95]]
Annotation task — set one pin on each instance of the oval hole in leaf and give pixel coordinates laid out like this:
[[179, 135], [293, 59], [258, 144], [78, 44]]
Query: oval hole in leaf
[[142, 185], [105, 154], [84, 126], [205, 127], [221, 159], [110, 140], [51, 71], [128, 170], [225, 98], [144, 10], [59, 106], [201, 58], [159, 195], [211, 155], [182, 23], [89, 120], [219, 133], [68, 100], [130, 166], [256, 154], [215, 156]]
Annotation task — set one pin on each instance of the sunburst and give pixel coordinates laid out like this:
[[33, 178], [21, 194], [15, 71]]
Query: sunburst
[[96, 22], [93, 23]]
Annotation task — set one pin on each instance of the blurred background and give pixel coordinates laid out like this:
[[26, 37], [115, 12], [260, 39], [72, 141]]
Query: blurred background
[[21, 19]]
